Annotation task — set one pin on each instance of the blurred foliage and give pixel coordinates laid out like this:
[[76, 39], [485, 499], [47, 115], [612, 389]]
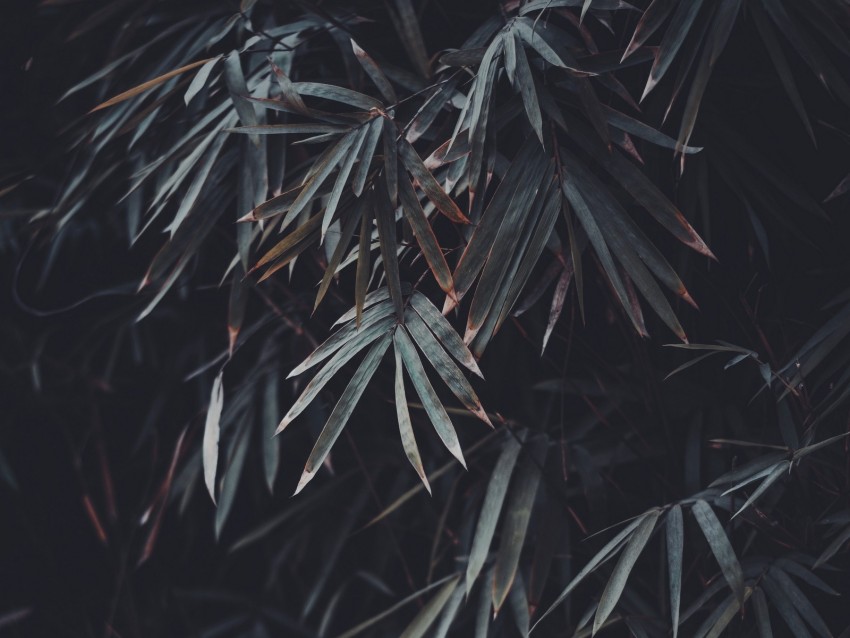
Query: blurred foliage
[[538, 308]]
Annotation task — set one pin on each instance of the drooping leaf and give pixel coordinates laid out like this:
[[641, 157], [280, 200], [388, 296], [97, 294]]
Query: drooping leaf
[[408, 440], [342, 411], [625, 564], [518, 508], [675, 547], [491, 509], [720, 547], [433, 407]]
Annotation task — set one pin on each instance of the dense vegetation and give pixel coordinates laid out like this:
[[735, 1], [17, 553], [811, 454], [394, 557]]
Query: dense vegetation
[[414, 317]]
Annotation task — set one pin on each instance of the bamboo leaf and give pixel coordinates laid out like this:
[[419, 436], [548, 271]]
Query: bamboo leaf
[[408, 440], [425, 237], [491, 508], [601, 557], [625, 564], [342, 411], [435, 410], [428, 184], [146, 86], [720, 547], [677, 30], [675, 547], [445, 333], [443, 364], [429, 613], [211, 435], [375, 73], [518, 508], [342, 356]]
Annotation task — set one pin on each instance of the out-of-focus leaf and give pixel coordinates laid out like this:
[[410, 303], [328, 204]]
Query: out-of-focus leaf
[[720, 547], [230, 480], [625, 564], [801, 602], [428, 614], [677, 30], [342, 411], [211, 434], [375, 73], [783, 604], [518, 507], [602, 556], [654, 16], [145, 86], [762, 614], [675, 545], [491, 509], [411, 35], [359, 629], [832, 549], [435, 410], [268, 424]]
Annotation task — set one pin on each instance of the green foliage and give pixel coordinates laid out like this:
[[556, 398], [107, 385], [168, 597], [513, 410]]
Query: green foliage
[[449, 194]]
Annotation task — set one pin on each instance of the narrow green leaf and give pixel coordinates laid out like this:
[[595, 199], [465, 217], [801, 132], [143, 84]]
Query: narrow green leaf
[[342, 180], [146, 86], [774, 476], [675, 546], [230, 480], [342, 411], [385, 218], [444, 331], [518, 508], [428, 184], [425, 237], [435, 410], [408, 440], [337, 94], [491, 508], [677, 30], [361, 171], [625, 564], [390, 158], [287, 129], [654, 16], [359, 629], [762, 614], [375, 73], [602, 556], [832, 549], [342, 356], [377, 310], [211, 434], [411, 35], [268, 424], [444, 365], [364, 250], [345, 236], [525, 79], [428, 614], [801, 602], [720, 547]]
